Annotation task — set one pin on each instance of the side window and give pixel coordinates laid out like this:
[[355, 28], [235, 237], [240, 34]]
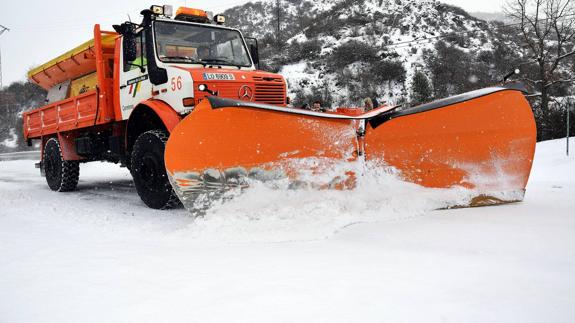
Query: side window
[[140, 54]]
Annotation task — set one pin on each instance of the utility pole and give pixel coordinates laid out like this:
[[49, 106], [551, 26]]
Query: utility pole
[[278, 37], [2, 30], [568, 113]]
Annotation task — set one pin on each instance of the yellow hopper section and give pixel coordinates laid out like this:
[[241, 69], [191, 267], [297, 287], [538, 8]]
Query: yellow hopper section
[[74, 63]]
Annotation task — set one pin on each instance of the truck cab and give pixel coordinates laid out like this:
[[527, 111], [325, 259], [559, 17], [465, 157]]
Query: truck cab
[[180, 61]]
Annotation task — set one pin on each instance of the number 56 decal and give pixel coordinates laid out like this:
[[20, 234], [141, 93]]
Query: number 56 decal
[[176, 83]]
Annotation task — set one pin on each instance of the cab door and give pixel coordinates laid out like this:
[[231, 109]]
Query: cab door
[[135, 85]]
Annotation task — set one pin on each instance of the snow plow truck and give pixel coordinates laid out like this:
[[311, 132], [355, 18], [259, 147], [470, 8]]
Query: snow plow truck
[[180, 101]]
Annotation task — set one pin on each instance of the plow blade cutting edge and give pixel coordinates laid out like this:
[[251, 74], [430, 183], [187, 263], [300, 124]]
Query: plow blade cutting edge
[[483, 141]]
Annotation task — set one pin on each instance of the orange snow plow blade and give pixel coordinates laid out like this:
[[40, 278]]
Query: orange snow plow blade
[[483, 141]]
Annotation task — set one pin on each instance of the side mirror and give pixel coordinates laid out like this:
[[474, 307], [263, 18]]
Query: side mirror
[[254, 52], [128, 32], [129, 43]]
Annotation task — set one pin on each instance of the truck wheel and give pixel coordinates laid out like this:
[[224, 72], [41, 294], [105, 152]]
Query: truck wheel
[[61, 175], [149, 171]]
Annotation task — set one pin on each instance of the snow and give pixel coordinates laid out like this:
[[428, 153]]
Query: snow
[[98, 254], [11, 142]]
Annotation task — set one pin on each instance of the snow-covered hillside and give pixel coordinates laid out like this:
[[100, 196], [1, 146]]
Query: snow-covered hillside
[[343, 50], [99, 255]]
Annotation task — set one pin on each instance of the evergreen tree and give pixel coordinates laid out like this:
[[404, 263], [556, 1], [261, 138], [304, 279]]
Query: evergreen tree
[[14, 99], [421, 89]]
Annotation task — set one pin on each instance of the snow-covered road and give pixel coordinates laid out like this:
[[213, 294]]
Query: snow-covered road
[[99, 255]]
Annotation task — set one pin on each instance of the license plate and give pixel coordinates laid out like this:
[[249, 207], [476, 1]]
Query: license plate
[[219, 76]]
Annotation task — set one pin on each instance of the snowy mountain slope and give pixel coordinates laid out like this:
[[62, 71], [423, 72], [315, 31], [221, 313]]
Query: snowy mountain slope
[[99, 255], [385, 31]]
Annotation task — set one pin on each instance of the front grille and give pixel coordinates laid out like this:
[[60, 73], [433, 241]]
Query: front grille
[[270, 93], [268, 79]]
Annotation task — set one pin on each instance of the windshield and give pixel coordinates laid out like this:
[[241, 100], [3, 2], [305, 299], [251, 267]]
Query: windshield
[[183, 43]]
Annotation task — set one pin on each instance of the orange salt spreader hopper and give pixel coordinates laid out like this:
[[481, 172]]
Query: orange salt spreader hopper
[[481, 141]]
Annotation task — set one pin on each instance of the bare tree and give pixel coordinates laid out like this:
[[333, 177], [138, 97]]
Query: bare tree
[[548, 29]]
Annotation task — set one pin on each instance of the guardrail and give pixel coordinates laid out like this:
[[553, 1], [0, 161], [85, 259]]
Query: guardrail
[[21, 155]]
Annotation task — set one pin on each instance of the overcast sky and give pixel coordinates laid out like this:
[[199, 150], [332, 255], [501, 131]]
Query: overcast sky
[[46, 29]]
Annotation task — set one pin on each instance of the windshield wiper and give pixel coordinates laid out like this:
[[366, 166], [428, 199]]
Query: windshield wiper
[[220, 61], [204, 62], [180, 58], [215, 60]]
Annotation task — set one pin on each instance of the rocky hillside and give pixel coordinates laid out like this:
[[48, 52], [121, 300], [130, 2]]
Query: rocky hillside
[[341, 51]]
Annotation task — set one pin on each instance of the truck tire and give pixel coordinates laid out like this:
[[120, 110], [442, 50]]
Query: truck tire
[[149, 171], [61, 175]]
